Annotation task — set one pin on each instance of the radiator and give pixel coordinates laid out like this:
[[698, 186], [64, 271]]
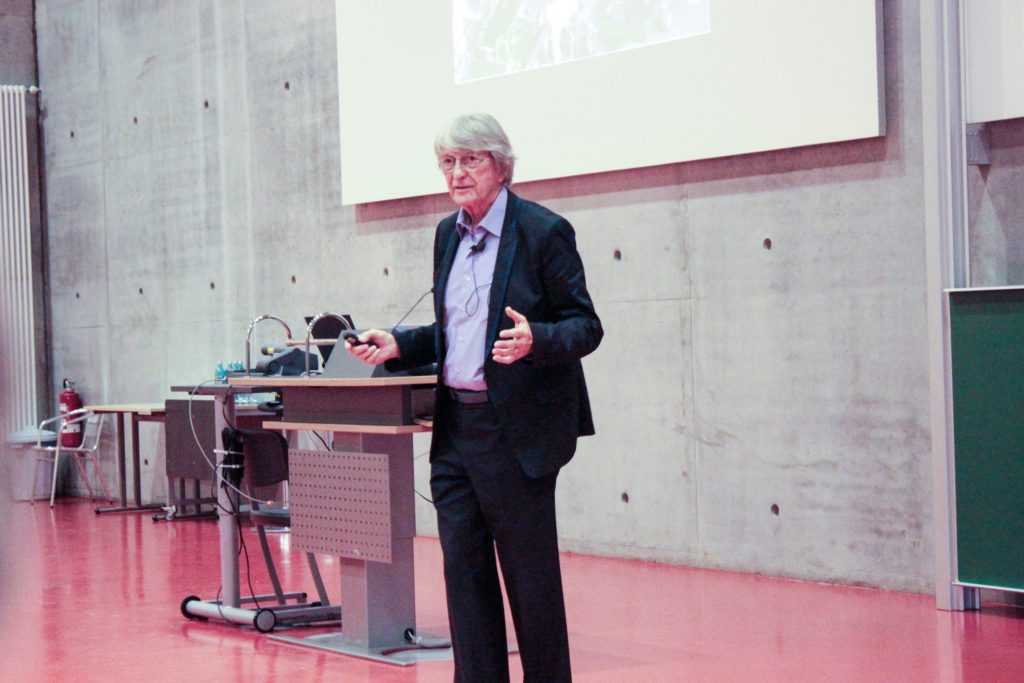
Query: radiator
[[17, 337]]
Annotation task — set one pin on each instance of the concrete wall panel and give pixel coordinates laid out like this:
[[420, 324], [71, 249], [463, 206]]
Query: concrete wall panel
[[633, 485], [380, 268], [139, 36], [195, 348], [827, 442], [633, 244], [222, 80], [67, 39], [150, 102], [136, 246], [285, 68], [17, 8], [75, 118], [15, 45], [811, 423], [77, 250], [82, 353], [996, 208]]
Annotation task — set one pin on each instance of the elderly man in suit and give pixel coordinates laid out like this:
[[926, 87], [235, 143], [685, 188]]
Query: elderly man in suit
[[513, 320]]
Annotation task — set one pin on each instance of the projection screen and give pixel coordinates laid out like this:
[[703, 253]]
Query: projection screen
[[995, 59], [586, 86]]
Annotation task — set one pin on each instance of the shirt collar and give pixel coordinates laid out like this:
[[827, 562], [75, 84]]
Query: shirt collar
[[492, 220]]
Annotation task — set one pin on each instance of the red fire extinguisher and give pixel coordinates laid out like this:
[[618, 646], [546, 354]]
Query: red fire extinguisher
[[70, 434]]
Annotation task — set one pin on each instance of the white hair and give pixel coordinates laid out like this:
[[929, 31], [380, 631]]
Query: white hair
[[478, 133]]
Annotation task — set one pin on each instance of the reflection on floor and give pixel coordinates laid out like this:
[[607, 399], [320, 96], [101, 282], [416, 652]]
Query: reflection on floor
[[90, 598]]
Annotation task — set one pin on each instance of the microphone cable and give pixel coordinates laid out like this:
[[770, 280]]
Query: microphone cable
[[474, 296], [400, 321], [413, 308]]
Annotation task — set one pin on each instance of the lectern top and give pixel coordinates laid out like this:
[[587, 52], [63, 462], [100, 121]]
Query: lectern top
[[289, 382]]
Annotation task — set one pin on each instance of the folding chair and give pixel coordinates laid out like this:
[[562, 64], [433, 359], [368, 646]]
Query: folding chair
[[92, 424]]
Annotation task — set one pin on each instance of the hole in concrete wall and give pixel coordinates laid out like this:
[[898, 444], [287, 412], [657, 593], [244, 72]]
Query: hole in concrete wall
[[145, 461], [72, 133], [386, 273], [767, 243], [287, 85], [135, 119], [293, 279], [617, 255], [140, 290], [775, 509], [625, 497], [77, 295], [213, 286], [206, 104]]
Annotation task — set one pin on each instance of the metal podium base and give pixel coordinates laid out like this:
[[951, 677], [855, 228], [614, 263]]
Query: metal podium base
[[263, 619], [404, 654]]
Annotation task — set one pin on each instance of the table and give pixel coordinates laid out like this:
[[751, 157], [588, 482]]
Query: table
[[139, 412]]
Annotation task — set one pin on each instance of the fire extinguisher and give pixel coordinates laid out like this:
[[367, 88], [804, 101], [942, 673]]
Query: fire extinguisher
[[70, 434]]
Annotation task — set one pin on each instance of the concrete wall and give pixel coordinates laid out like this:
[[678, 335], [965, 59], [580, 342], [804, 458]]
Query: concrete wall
[[17, 45], [761, 395], [996, 208]]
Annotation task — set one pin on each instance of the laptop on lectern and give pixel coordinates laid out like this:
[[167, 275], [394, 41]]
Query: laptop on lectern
[[327, 328]]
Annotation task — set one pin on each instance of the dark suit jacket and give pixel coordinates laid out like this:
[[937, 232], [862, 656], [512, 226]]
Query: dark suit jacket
[[540, 400]]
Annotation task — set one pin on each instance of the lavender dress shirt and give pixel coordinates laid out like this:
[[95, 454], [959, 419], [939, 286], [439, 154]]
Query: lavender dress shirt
[[466, 297]]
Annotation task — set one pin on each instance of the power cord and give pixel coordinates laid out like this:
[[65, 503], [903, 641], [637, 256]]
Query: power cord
[[417, 491], [220, 478], [322, 440]]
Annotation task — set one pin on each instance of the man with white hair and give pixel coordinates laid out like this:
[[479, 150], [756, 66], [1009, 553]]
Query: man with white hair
[[513, 320]]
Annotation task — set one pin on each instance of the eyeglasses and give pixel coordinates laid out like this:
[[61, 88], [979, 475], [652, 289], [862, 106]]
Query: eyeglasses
[[469, 162]]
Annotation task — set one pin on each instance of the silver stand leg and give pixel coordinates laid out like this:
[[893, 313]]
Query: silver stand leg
[[227, 505]]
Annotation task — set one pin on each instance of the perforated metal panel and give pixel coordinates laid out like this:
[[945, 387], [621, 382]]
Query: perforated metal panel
[[341, 503]]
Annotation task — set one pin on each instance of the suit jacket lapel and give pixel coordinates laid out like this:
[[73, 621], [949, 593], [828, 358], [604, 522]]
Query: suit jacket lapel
[[442, 284], [502, 270]]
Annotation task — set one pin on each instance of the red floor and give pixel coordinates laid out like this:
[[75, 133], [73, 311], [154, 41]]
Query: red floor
[[91, 598]]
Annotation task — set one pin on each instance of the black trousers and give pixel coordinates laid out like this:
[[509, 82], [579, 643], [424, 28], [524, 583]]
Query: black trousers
[[484, 502]]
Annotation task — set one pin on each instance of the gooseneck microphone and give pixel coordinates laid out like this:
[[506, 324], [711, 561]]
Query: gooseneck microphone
[[353, 337]]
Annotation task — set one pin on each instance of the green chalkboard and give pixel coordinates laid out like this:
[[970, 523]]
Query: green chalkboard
[[986, 329]]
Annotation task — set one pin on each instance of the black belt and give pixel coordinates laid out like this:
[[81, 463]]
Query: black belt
[[468, 397]]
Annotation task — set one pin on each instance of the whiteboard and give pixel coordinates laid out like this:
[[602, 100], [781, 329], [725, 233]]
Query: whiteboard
[[767, 75], [994, 34]]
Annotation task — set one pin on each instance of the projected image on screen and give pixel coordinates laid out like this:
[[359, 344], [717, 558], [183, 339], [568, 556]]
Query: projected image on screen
[[508, 36]]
